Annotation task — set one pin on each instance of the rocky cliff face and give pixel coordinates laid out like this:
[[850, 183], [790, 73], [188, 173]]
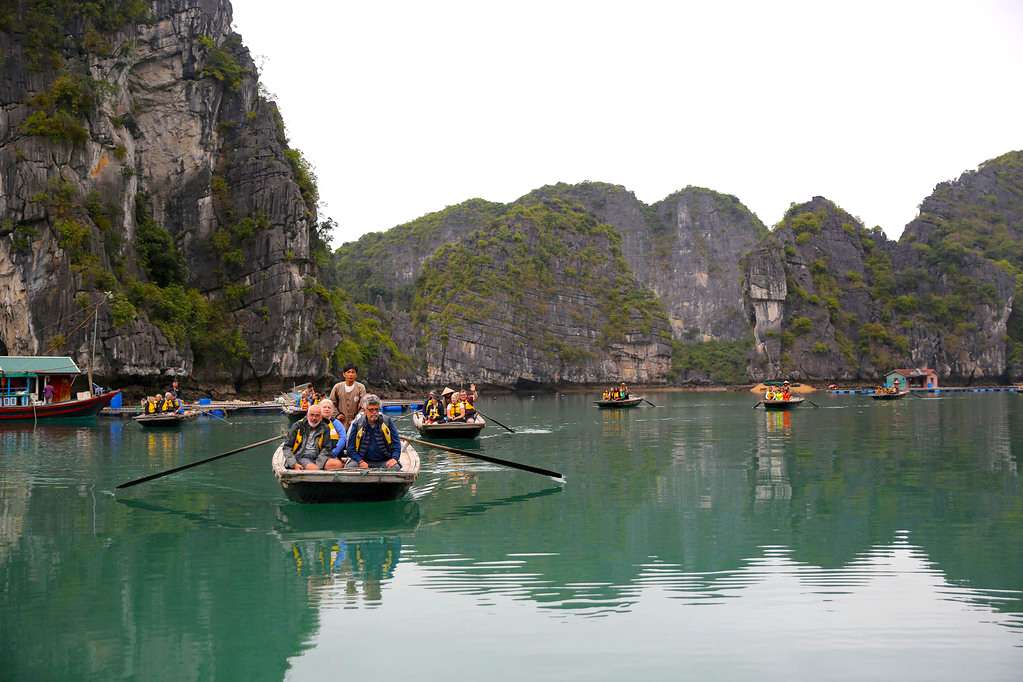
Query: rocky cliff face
[[542, 296], [138, 158], [828, 299], [685, 248]]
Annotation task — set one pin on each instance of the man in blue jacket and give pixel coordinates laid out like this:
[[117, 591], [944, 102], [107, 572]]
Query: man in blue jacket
[[373, 439]]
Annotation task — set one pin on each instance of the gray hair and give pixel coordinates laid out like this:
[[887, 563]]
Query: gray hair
[[370, 399]]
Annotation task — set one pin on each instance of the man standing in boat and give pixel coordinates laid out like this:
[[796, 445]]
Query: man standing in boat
[[348, 395], [373, 440]]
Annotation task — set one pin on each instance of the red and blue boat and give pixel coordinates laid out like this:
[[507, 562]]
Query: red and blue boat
[[23, 389]]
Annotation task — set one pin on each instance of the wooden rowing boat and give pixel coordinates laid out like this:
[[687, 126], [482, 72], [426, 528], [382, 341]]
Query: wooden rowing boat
[[448, 429], [348, 485], [790, 404], [293, 412], [618, 404], [890, 396], [165, 419]]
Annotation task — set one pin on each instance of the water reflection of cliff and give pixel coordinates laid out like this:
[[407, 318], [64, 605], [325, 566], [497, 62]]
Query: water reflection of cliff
[[699, 496]]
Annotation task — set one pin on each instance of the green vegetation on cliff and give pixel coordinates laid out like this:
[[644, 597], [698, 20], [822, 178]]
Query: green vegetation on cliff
[[532, 257]]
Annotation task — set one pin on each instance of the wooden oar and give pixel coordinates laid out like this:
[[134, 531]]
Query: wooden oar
[[493, 460], [168, 472], [487, 416], [757, 405], [649, 403], [812, 402]]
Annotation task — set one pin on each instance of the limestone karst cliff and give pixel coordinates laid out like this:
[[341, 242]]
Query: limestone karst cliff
[[143, 175]]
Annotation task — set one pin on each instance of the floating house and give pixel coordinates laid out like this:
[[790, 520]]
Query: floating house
[[906, 379], [23, 379]]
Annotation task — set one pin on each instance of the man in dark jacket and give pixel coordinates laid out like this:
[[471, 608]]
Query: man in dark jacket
[[308, 442], [373, 439]]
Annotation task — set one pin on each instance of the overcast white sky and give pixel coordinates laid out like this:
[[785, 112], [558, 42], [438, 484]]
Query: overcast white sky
[[407, 107]]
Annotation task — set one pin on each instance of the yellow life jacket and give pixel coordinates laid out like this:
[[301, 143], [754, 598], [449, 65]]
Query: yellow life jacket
[[168, 406], [150, 407], [298, 440], [456, 410], [362, 428], [432, 409]]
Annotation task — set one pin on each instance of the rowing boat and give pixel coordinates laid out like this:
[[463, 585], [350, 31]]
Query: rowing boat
[[165, 418], [613, 404], [293, 412], [448, 429], [348, 485], [890, 396], [790, 404]]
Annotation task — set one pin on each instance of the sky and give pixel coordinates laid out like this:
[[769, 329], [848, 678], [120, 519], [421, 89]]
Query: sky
[[404, 108]]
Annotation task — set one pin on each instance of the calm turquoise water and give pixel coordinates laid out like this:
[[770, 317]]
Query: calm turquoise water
[[697, 540]]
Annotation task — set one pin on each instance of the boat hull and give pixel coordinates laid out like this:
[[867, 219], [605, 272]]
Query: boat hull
[[65, 410], [464, 430], [347, 485], [889, 396], [618, 404], [782, 404], [293, 413], [163, 420]]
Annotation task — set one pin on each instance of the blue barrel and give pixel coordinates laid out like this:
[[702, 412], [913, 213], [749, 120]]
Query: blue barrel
[[392, 408], [205, 401], [117, 400]]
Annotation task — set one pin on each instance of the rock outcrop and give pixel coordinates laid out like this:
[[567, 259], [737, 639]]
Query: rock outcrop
[[829, 299], [138, 158]]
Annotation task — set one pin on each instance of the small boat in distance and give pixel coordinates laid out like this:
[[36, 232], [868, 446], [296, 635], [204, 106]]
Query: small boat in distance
[[890, 396], [293, 412], [348, 485], [26, 381], [790, 404], [448, 429], [613, 404], [165, 419]]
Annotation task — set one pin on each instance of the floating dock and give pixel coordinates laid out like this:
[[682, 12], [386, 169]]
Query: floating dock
[[933, 391]]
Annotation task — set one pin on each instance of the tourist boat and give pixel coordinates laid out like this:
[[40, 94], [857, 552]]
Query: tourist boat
[[293, 412], [790, 404], [165, 418], [23, 380], [348, 485], [448, 429], [613, 404], [890, 396]]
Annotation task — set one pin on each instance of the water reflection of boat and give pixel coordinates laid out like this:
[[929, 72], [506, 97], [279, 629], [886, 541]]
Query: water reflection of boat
[[300, 522], [348, 485]]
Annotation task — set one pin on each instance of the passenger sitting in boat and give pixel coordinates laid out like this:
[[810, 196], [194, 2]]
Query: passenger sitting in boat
[[338, 436], [456, 409], [151, 405], [308, 441], [432, 410], [623, 392], [605, 395], [468, 409], [786, 391], [373, 439], [170, 403]]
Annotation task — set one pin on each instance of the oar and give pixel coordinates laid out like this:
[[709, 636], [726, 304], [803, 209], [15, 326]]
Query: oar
[[649, 403], [493, 460], [168, 472], [757, 405], [812, 402], [487, 416], [210, 413]]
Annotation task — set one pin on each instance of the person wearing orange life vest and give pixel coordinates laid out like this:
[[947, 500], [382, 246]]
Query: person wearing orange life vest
[[373, 439], [786, 393], [308, 442]]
